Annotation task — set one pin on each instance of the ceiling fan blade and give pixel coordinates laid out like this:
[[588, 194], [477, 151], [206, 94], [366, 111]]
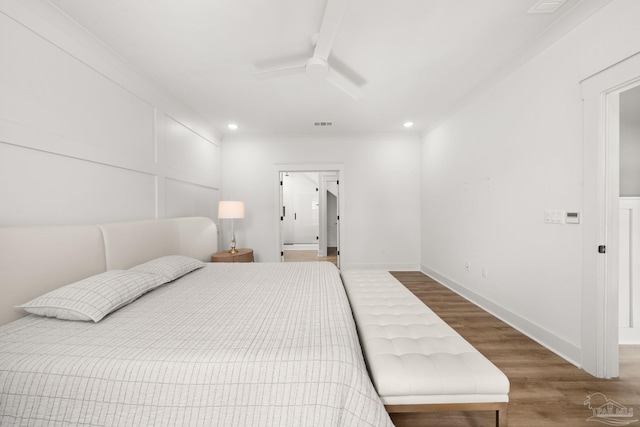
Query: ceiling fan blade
[[333, 13], [279, 72], [344, 84]]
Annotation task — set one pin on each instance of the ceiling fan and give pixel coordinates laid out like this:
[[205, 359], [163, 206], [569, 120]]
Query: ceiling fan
[[317, 66]]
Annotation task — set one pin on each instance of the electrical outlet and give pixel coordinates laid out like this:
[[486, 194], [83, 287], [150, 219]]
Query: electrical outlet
[[467, 265]]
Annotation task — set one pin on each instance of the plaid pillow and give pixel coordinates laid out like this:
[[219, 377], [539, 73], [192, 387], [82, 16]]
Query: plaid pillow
[[94, 297], [170, 267]]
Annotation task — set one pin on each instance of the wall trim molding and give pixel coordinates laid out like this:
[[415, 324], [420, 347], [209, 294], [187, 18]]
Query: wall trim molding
[[559, 346]]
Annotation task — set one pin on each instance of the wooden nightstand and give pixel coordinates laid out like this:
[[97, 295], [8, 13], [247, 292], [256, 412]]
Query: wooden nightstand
[[243, 255]]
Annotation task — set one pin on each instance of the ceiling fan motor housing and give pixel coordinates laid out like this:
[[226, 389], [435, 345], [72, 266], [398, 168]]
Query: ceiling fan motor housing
[[317, 68]]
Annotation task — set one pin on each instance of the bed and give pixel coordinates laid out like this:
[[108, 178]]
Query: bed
[[222, 344]]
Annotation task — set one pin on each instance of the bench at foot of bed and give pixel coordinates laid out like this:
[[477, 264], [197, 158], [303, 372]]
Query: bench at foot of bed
[[417, 362]]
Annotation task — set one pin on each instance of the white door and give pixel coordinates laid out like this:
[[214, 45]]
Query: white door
[[300, 208], [629, 275], [332, 219], [305, 216]]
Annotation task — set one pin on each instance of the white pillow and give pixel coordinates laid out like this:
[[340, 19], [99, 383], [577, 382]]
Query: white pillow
[[94, 297], [169, 267]]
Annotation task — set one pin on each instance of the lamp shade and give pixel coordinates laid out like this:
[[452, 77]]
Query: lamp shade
[[230, 210]]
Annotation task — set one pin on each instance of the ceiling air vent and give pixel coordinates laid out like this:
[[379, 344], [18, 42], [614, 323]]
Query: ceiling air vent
[[546, 6], [323, 124]]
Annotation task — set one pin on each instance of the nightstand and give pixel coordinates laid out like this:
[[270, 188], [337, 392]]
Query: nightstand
[[243, 255]]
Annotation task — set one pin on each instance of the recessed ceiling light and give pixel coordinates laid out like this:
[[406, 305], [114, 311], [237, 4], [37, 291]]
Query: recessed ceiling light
[[408, 124], [232, 126]]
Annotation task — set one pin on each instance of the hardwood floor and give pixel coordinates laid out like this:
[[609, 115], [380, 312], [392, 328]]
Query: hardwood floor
[[546, 390], [310, 255]]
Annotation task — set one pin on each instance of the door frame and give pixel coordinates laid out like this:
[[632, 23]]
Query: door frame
[[280, 168], [601, 191]]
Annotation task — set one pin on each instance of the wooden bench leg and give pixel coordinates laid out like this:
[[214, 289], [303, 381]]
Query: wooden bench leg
[[501, 417]]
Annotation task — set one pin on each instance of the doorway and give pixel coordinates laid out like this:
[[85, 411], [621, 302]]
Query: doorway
[[601, 233], [309, 216], [629, 217]]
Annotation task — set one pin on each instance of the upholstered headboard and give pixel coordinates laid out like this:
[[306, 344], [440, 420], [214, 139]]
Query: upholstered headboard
[[35, 260]]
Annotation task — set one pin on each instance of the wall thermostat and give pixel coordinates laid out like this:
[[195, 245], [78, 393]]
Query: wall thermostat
[[572, 218]]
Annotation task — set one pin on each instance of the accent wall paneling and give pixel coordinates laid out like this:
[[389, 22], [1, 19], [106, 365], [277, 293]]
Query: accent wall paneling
[[187, 199], [40, 188], [187, 154], [85, 138], [46, 88]]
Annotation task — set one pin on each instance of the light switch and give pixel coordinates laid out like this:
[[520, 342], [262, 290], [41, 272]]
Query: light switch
[[554, 217]]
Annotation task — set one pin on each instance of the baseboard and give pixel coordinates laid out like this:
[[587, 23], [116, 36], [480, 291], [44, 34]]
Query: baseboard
[[387, 267], [559, 346]]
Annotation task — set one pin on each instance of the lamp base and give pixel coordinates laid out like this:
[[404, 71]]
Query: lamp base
[[233, 240]]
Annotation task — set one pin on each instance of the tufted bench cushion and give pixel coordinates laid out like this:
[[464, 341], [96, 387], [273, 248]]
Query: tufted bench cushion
[[413, 356]]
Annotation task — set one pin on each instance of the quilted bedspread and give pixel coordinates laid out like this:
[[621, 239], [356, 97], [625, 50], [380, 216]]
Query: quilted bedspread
[[227, 345]]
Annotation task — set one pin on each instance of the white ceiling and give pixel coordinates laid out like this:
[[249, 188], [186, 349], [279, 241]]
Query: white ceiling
[[417, 60]]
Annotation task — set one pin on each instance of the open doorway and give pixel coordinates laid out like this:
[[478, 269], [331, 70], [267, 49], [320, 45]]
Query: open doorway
[[309, 216], [602, 270], [629, 218]]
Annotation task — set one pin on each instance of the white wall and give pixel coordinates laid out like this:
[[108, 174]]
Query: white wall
[[84, 138], [379, 192], [492, 169]]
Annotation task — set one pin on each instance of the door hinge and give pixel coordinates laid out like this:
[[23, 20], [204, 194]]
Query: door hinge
[[316, 189], [280, 183], [338, 218], [338, 252], [602, 249], [338, 182], [317, 238], [281, 253], [281, 218]]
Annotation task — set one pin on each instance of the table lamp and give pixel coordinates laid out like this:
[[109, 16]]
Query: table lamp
[[231, 210]]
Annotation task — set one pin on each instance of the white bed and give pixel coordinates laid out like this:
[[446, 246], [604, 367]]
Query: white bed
[[226, 344]]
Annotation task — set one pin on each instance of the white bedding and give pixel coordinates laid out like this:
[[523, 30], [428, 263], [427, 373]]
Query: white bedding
[[226, 345]]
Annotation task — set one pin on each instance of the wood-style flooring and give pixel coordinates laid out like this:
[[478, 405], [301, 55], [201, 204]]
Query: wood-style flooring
[[310, 256], [546, 390]]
